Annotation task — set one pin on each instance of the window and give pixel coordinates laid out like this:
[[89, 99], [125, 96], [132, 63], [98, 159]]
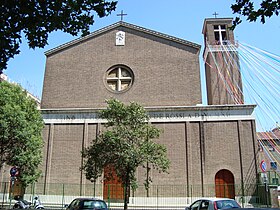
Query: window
[[94, 204], [227, 204], [119, 78], [273, 165], [275, 181], [220, 34], [204, 205], [195, 205]]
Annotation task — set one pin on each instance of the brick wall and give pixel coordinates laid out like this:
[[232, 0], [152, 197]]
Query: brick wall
[[165, 72]]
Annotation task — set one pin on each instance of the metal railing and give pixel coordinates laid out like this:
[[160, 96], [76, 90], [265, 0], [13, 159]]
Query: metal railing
[[157, 196]]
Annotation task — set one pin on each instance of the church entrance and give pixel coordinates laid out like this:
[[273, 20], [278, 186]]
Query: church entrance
[[224, 184], [112, 189]]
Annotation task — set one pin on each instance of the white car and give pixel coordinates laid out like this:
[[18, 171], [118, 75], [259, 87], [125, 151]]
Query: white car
[[213, 204]]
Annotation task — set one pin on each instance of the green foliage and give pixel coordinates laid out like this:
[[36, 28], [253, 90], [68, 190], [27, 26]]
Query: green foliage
[[37, 18], [125, 145], [246, 8], [21, 125]]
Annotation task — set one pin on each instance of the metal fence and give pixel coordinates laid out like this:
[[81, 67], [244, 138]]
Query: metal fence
[[173, 196]]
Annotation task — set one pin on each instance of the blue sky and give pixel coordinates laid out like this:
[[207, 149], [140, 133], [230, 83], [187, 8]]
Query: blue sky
[[179, 18]]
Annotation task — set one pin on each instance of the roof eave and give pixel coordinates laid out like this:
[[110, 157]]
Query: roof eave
[[127, 25]]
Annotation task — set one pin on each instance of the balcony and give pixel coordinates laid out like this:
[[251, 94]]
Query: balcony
[[217, 46]]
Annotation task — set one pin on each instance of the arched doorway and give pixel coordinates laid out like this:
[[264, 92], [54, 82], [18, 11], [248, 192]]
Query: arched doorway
[[224, 184]]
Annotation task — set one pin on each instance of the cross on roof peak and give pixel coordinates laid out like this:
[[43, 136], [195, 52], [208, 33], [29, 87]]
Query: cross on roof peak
[[121, 14], [215, 14]]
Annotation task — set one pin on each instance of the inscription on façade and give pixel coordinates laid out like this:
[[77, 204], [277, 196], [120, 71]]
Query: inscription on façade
[[188, 114], [156, 116]]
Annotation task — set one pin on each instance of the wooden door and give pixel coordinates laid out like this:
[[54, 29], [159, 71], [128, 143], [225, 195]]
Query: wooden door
[[112, 189], [224, 184]]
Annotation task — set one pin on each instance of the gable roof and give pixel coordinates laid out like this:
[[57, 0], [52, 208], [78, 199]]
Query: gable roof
[[126, 25]]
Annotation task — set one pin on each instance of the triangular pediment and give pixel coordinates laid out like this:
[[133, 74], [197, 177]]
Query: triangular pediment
[[122, 26]]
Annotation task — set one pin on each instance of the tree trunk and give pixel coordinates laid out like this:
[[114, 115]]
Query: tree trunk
[[125, 198], [126, 189]]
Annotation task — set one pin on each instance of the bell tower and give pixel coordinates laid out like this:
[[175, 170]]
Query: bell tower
[[223, 79]]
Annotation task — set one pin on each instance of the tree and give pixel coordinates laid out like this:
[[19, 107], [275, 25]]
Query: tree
[[21, 125], [37, 18], [246, 8], [125, 145]]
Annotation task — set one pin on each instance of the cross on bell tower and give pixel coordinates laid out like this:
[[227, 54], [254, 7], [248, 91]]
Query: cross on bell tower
[[215, 14]]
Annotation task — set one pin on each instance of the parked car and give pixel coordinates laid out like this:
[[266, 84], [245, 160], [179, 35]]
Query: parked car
[[87, 203], [213, 204]]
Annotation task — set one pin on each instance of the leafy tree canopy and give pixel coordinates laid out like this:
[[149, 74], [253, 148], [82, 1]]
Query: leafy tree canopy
[[247, 8], [35, 19], [125, 145], [21, 125]]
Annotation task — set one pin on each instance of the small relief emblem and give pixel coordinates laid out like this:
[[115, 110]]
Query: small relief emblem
[[120, 38]]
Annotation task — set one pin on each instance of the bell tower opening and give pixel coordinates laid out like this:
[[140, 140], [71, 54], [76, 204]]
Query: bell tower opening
[[220, 34]]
